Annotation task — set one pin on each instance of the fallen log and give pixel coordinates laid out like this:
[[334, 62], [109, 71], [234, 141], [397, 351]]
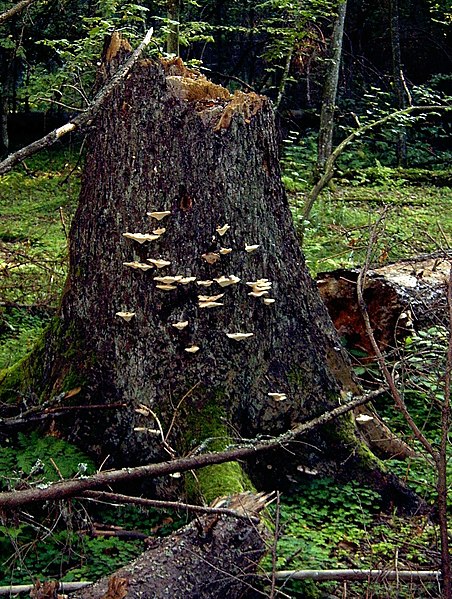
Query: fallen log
[[399, 296], [213, 556]]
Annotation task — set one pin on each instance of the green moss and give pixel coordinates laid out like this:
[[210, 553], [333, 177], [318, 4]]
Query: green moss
[[57, 347], [207, 425], [342, 431]]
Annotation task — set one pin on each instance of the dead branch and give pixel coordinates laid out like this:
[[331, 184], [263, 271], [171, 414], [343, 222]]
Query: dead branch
[[64, 587], [50, 413], [69, 488], [83, 118], [365, 575], [173, 505], [15, 10]]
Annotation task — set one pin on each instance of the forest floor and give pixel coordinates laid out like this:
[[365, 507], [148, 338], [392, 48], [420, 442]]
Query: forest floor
[[322, 525]]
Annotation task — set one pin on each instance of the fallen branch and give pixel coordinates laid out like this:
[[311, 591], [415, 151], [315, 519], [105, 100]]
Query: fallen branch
[[156, 503], [365, 575], [83, 118], [64, 587], [69, 488]]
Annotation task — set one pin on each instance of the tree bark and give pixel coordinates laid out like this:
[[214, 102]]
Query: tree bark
[[169, 140], [325, 143], [214, 556]]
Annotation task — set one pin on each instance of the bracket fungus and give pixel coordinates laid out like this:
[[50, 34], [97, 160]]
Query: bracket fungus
[[222, 230], [166, 287], [363, 418], [159, 231], [277, 396], [239, 336], [210, 298], [224, 281], [168, 280], [251, 248], [186, 280], [210, 304], [159, 215], [257, 293], [125, 315], [269, 300], [225, 251], [211, 257], [138, 265], [192, 349], [180, 325], [141, 237], [158, 263], [204, 283]]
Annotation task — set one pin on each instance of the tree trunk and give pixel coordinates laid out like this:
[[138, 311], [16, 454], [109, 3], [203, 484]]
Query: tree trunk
[[397, 75], [169, 140], [173, 15], [325, 143], [214, 556]]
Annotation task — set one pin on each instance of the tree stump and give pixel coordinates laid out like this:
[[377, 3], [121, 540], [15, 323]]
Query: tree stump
[[221, 271]]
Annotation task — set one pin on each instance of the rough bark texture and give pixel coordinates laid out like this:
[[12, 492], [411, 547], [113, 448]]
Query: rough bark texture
[[168, 140], [214, 556], [398, 297]]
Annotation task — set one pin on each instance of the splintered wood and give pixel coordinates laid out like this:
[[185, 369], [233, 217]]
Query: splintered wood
[[215, 104]]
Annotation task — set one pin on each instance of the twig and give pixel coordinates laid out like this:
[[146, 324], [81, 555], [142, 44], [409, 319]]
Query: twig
[[83, 118], [398, 400], [275, 547], [69, 488], [442, 460], [172, 505]]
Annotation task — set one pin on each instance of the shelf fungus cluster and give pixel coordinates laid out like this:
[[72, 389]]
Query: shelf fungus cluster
[[260, 288]]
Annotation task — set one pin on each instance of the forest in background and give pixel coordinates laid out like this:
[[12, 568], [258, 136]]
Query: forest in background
[[279, 49]]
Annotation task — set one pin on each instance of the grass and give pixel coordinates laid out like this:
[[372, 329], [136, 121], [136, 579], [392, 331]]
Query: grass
[[36, 206], [322, 525], [418, 220]]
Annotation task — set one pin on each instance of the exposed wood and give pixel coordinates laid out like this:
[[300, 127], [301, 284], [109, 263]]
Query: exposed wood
[[411, 291], [214, 556]]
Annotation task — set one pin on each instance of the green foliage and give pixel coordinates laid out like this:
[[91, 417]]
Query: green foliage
[[19, 330], [33, 252], [39, 460]]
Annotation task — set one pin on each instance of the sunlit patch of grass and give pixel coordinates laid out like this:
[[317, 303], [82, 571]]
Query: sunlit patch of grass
[[418, 220], [36, 206]]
